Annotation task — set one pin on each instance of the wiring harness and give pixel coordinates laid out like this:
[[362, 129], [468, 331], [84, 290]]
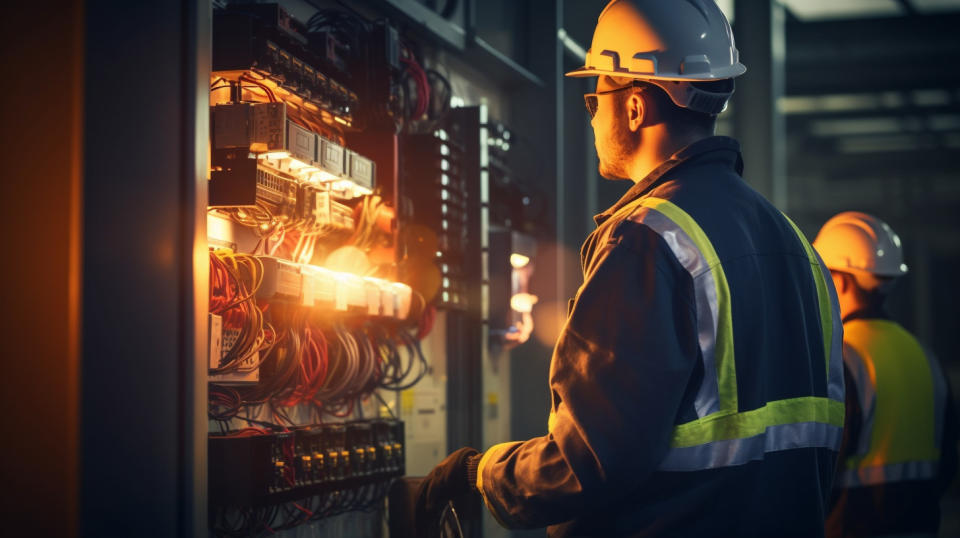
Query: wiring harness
[[234, 280], [268, 520], [311, 363], [305, 356]]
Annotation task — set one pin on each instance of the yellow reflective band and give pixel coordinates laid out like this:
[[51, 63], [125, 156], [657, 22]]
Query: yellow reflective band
[[491, 453], [720, 427], [723, 351], [823, 295], [885, 474]]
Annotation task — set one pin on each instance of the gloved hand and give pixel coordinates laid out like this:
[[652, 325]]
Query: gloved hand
[[446, 482]]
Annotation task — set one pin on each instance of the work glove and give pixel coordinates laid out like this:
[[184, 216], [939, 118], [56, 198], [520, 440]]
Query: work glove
[[447, 482]]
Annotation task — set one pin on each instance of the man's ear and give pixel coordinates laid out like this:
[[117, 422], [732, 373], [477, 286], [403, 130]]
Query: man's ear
[[839, 282], [636, 108]]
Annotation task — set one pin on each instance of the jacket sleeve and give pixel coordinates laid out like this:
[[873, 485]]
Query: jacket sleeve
[[619, 372], [852, 422], [948, 448]]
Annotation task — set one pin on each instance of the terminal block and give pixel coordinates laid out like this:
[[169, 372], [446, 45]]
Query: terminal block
[[253, 139], [256, 469], [264, 39]]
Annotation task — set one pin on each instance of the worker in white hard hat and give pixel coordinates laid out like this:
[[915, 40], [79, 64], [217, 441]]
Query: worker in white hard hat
[[697, 384], [899, 451]]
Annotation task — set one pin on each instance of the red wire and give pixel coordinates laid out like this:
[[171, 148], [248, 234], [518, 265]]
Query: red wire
[[315, 369], [264, 87], [427, 319], [290, 474], [304, 510], [248, 432], [423, 86]]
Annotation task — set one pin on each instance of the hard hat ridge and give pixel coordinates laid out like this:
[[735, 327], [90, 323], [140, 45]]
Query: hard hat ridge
[[666, 40], [860, 244]]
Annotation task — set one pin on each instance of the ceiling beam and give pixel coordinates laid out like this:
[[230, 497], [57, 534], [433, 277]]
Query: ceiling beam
[[905, 110], [907, 7], [866, 55], [914, 163]]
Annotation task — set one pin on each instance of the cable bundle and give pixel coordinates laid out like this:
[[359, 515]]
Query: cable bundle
[[418, 75], [327, 366], [346, 26], [234, 279], [400, 374], [425, 94], [366, 232], [267, 520]]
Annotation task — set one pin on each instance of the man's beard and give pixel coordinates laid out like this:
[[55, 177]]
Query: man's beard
[[621, 144]]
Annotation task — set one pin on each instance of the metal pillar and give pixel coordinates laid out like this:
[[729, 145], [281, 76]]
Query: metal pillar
[[145, 269], [534, 114], [559, 105], [760, 36]]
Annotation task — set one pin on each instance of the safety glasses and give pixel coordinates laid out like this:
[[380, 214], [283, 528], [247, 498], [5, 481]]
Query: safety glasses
[[590, 99]]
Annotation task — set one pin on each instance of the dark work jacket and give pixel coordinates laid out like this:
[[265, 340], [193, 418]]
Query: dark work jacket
[[627, 369]]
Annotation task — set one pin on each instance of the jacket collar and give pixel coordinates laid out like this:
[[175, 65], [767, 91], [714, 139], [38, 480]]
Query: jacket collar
[[868, 312], [700, 147]]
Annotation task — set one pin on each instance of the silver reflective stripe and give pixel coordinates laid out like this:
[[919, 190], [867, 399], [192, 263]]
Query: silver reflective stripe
[[835, 388], [939, 396], [740, 451], [894, 472], [867, 394], [705, 290]]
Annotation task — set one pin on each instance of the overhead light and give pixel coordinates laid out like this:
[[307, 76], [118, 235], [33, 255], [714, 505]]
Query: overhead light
[[519, 260], [879, 143], [817, 104], [811, 10], [934, 6], [350, 188], [298, 165], [523, 302], [856, 126], [726, 6], [323, 176], [275, 155]]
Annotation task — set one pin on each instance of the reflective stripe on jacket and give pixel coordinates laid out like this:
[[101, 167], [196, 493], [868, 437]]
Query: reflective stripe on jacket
[[697, 384], [723, 435]]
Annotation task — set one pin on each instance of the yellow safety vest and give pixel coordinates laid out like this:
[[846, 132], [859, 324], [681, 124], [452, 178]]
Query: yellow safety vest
[[902, 395]]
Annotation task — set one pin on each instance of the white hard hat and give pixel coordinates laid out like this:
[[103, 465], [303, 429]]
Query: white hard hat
[[670, 43], [858, 243]]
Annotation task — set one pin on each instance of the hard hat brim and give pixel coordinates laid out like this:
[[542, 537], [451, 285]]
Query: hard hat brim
[[892, 273], [730, 72]]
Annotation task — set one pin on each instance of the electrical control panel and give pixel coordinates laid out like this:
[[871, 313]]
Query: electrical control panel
[[346, 253], [255, 467], [432, 174]]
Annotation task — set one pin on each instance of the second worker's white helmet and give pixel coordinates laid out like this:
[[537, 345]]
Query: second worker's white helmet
[[861, 244]]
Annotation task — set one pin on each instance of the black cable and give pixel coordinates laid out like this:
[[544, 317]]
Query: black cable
[[415, 352], [439, 105], [389, 409]]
